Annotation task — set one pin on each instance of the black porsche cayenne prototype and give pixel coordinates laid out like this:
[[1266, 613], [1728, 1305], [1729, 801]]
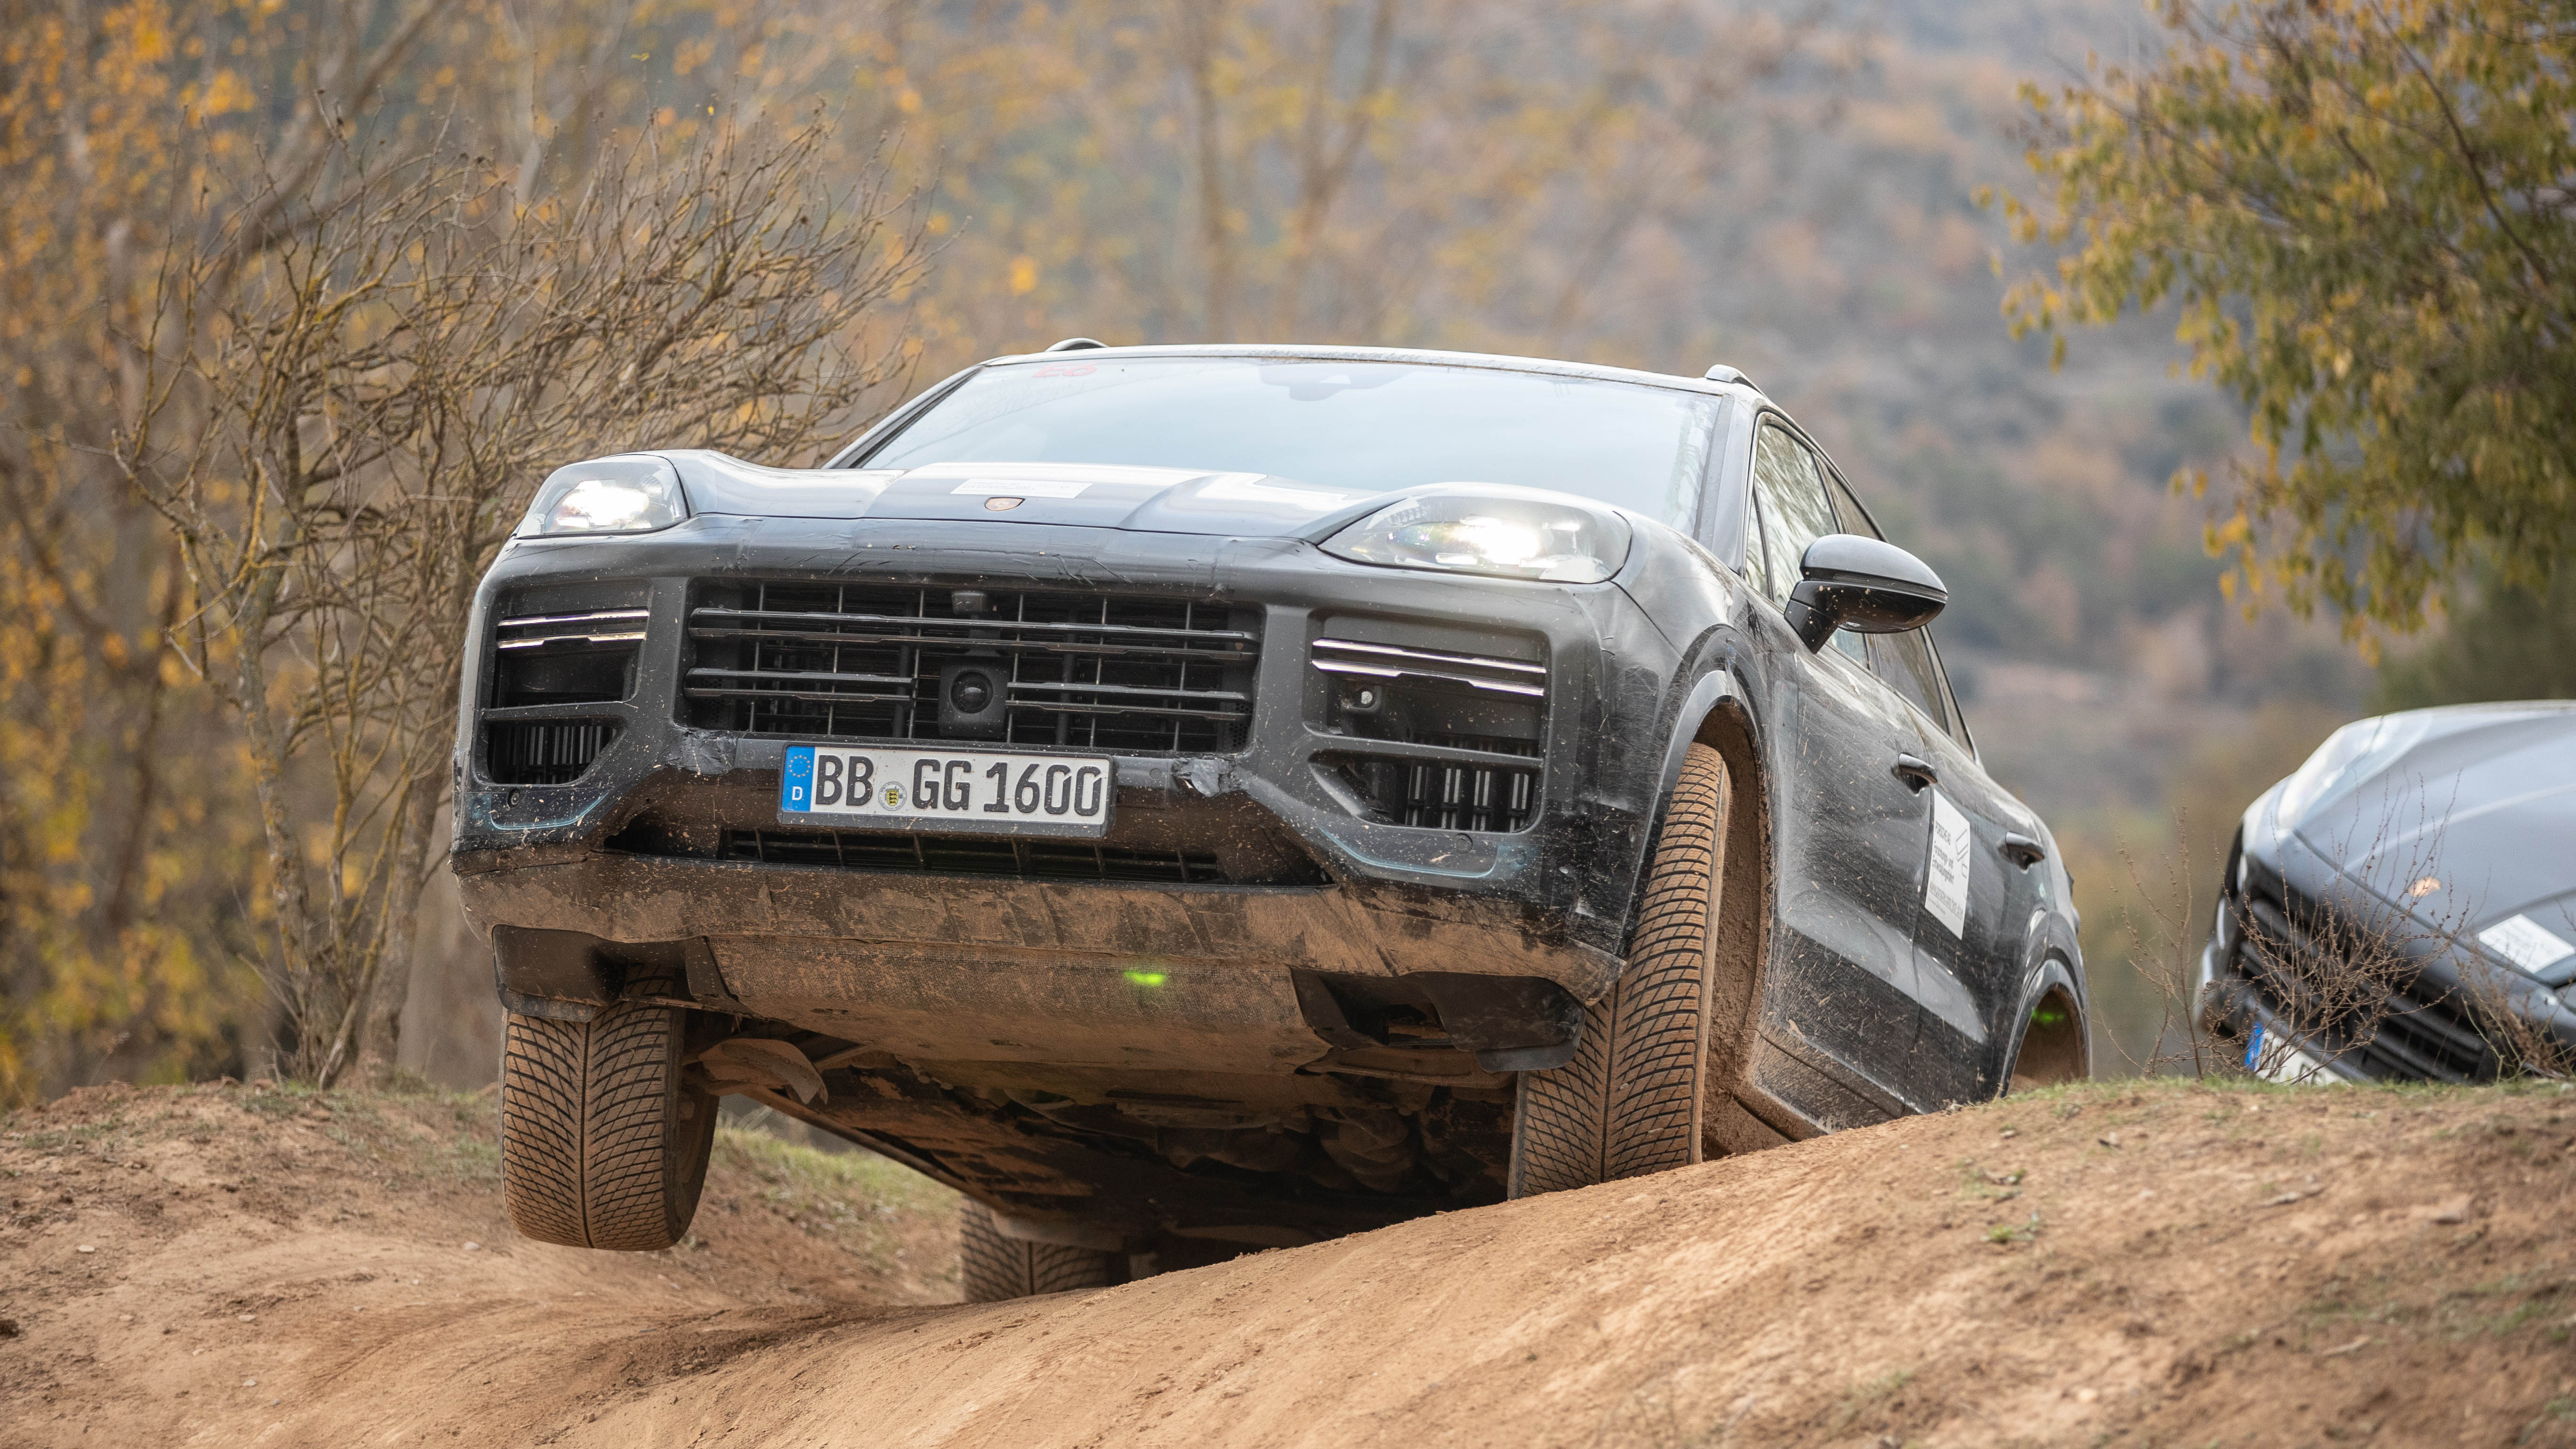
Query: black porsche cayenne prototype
[[1196, 797]]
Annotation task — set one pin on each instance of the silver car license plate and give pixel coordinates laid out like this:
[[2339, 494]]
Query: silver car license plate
[[983, 792]]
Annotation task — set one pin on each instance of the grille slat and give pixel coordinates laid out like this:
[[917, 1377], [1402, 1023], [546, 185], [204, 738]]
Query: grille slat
[[1388, 661], [1025, 646], [1132, 674]]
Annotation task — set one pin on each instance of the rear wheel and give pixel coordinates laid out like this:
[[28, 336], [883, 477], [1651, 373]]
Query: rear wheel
[[996, 1268], [1630, 1101], [603, 1142]]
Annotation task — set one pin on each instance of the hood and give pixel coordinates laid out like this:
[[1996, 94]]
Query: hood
[[1148, 500], [2465, 815]]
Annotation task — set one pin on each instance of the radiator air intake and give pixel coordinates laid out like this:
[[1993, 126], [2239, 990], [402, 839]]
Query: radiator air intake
[[1443, 737]]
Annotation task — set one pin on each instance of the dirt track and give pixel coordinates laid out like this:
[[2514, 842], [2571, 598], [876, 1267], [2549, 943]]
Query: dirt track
[[2174, 1265]]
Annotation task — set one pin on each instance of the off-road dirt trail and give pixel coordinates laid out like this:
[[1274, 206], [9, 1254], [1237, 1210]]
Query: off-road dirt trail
[[2110, 1264]]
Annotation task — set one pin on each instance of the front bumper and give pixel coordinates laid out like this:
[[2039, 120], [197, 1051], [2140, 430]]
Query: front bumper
[[2283, 984], [633, 852]]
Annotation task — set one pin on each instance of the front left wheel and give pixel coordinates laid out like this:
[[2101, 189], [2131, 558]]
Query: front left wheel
[[604, 1142], [1630, 1101]]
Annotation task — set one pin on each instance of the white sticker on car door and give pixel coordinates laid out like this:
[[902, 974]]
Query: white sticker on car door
[[1945, 884]]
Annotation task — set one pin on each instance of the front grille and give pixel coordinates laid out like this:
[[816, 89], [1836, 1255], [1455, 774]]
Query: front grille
[[1445, 794], [2365, 1014], [951, 855], [543, 752], [1132, 674]]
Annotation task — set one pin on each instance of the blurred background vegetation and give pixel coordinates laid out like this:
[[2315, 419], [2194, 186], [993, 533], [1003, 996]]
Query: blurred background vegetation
[[1788, 187]]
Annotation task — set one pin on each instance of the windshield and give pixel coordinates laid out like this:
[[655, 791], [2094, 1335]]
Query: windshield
[[1358, 427]]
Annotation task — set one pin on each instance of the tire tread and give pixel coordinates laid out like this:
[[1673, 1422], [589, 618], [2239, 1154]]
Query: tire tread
[[995, 1268], [595, 1151], [1629, 1102]]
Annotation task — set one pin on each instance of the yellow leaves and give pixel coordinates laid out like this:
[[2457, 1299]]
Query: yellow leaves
[[224, 94], [1024, 275], [146, 33]]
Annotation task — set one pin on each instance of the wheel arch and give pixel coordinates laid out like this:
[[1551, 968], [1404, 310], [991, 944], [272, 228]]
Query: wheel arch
[[2053, 1033]]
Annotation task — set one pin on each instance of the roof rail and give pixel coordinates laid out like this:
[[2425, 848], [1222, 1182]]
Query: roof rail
[[1719, 373], [1077, 344]]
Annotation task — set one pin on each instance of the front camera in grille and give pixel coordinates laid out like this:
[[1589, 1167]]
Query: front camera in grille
[[1134, 674], [543, 752], [1441, 738]]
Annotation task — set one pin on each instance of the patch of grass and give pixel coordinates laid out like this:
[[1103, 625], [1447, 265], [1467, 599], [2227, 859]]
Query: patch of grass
[[1864, 1397], [790, 1172], [2004, 1235], [858, 1201]]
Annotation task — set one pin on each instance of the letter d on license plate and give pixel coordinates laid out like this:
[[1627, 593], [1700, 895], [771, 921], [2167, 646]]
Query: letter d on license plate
[[967, 792]]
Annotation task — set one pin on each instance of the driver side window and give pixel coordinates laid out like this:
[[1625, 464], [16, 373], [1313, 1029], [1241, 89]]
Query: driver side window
[[1792, 500], [1903, 662]]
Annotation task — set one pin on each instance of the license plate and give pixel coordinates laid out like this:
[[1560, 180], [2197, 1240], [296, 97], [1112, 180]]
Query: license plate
[[975, 791]]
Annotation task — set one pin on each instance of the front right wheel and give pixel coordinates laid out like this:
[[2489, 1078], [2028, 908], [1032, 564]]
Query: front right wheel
[[604, 1140], [1630, 1101]]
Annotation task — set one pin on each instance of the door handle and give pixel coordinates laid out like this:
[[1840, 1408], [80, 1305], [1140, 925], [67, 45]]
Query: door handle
[[1917, 774], [2022, 850]]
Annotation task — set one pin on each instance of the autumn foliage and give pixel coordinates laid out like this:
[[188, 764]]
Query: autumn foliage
[[2361, 209], [302, 299]]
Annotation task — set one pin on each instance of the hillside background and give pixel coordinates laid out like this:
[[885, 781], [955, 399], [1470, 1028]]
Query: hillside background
[[1788, 186]]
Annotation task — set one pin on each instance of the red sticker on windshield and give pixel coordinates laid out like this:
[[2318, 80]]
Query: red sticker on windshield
[[1068, 369]]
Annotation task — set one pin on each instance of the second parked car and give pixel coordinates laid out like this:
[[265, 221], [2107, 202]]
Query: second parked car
[[2404, 907]]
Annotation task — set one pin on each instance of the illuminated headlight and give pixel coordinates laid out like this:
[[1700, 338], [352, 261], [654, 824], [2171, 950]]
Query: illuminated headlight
[[631, 494], [1512, 533]]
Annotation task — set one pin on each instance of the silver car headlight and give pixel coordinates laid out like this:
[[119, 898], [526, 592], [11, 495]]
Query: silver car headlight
[[1512, 533], [630, 494]]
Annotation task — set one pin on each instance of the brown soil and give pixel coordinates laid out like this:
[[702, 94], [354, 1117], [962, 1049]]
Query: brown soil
[[2110, 1264]]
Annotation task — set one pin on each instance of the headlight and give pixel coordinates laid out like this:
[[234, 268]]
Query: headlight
[[632, 494], [1513, 533]]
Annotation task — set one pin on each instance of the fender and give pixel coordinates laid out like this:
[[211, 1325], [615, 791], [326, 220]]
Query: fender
[[2050, 949], [1681, 725]]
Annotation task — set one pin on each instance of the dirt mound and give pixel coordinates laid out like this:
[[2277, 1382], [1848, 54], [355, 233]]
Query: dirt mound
[[2111, 1264]]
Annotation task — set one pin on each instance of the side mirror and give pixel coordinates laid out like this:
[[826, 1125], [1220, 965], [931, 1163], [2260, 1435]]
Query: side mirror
[[1864, 585]]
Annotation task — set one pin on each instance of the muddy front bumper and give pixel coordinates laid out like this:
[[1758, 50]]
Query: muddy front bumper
[[1307, 840]]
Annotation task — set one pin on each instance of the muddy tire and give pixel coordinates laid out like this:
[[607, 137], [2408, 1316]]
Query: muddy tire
[[603, 1142], [1630, 1101], [995, 1268]]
